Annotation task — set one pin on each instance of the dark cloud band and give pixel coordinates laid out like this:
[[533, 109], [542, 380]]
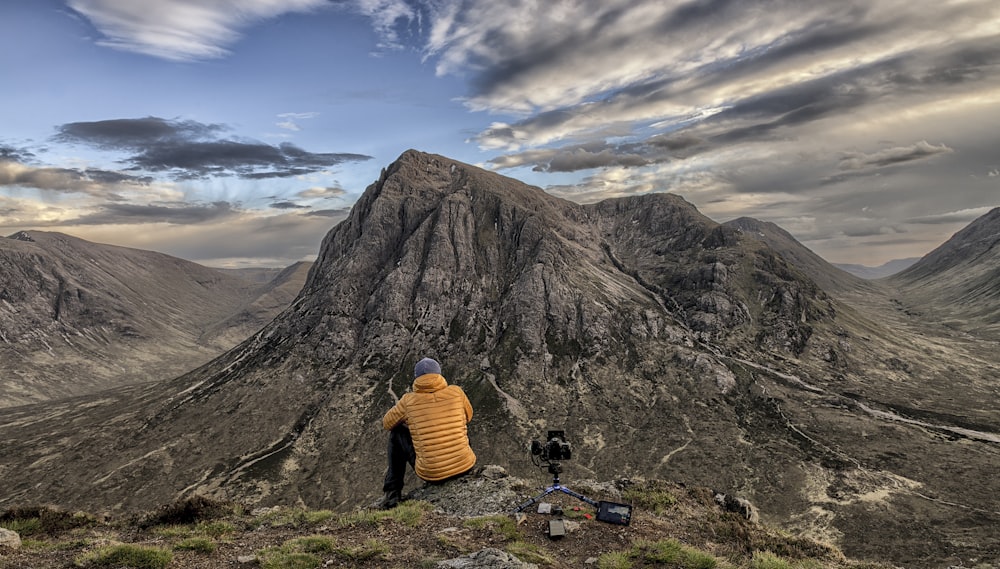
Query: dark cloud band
[[191, 150]]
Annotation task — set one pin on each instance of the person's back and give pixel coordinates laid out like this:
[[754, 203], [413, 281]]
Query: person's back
[[436, 414], [428, 430]]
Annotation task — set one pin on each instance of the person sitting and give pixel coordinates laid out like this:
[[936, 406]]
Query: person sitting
[[427, 429]]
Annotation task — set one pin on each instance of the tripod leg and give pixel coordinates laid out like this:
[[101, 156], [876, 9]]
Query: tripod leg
[[536, 499], [577, 496]]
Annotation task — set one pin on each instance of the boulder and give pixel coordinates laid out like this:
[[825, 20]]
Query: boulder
[[741, 506], [488, 558], [9, 539]]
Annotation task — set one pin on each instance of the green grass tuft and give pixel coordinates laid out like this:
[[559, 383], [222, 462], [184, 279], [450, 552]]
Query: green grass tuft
[[42, 545], [199, 544], [278, 559], [529, 553], [212, 529], [503, 525], [25, 526], [313, 544], [614, 560], [216, 528], [43, 520], [174, 531], [409, 513], [305, 552], [656, 500], [281, 517], [670, 552], [371, 549], [316, 517], [126, 556], [768, 560]]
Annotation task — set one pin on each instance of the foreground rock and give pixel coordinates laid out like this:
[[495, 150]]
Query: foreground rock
[[9, 539], [488, 558]]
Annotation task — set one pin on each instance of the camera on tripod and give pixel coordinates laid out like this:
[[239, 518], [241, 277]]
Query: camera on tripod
[[555, 447]]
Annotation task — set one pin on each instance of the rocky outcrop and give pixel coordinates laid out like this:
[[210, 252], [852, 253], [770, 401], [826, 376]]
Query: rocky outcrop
[[741, 506], [487, 558]]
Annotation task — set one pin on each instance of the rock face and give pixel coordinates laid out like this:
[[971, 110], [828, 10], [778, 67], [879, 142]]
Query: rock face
[[77, 317], [664, 344]]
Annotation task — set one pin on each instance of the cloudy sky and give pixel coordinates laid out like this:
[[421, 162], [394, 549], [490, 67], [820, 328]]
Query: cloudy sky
[[238, 132]]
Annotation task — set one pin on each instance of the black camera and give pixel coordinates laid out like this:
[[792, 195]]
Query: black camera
[[555, 447]]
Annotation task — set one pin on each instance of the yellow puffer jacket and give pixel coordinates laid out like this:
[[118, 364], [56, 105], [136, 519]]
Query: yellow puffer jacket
[[436, 414]]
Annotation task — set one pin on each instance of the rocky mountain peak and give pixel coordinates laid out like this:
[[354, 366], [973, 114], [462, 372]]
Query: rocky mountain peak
[[664, 344], [491, 274]]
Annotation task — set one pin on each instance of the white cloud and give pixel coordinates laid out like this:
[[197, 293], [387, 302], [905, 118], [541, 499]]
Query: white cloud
[[325, 193], [786, 112], [571, 68], [890, 156], [290, 118], [95, 183], [958, 216], [385, 15], [180, 30]]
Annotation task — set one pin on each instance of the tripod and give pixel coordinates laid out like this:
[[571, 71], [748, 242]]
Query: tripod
[[555, 468]]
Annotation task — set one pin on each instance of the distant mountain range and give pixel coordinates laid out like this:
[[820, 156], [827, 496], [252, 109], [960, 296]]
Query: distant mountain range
[[884, 270], [78, 317], [666, 345]]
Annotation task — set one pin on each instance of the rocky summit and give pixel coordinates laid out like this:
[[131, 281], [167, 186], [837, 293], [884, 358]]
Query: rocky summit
[[664, 344]]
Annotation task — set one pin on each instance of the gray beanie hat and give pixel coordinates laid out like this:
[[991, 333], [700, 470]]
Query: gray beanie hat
[[426, 366]]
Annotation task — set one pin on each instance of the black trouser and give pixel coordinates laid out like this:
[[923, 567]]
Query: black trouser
[[400, 453]]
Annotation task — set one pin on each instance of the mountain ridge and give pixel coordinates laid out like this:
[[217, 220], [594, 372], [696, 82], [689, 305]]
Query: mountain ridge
[[77, 316], [830, 277], [958, 283]]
